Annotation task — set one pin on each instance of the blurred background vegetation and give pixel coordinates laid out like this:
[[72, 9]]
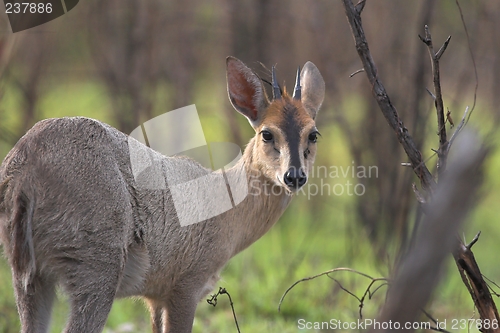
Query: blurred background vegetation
[[126, 61]]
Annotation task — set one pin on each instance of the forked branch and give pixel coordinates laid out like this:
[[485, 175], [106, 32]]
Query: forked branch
[[442, 151], [213, 301], [375, 283], [389, 111]]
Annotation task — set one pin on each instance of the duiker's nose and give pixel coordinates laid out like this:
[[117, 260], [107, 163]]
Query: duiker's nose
[[294, 178]]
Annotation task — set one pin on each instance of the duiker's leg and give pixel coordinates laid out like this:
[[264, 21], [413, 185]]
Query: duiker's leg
[[34, 303], [91, 290], [158, 317], [180, 312]]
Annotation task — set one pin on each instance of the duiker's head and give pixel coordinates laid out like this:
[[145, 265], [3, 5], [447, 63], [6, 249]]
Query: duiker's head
[[285, 146]]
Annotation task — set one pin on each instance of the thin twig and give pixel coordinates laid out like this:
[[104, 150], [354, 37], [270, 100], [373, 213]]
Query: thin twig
[[357, 72], [438, 98], [473, 241], [377, 289], [449, 118], [360, 6], [213, 301], [430, 93], [437, 329], [367, 292], [440, 52], [492, 282], [472, 58], [327, 273], [346, 290]]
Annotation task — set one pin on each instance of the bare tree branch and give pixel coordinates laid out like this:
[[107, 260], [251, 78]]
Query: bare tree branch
[[472, 59], [383, 100], [438, 98], [368, 292], [454, 194]]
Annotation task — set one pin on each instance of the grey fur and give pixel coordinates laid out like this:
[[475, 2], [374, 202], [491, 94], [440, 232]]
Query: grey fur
[[72, 215]]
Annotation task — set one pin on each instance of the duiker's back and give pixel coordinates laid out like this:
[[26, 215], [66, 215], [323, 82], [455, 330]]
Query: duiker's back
[[60, 178], [70, 173]]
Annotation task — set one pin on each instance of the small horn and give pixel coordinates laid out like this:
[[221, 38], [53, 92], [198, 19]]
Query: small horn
[[297, 89], [276, 87]]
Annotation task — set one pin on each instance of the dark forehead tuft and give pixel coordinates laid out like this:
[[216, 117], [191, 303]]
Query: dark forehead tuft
[[295, 118], [289, 115], [291, 122]]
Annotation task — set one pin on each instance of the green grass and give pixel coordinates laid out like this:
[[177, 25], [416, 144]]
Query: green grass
[[313, 236]]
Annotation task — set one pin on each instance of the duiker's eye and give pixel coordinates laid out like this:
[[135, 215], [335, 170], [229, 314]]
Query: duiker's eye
[[313, 137], [267, 136]]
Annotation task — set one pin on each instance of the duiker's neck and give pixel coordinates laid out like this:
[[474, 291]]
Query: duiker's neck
[[263, 205]]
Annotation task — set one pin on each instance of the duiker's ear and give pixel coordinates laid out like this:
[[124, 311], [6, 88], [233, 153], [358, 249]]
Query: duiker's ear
[[245, 91], [313, 88]]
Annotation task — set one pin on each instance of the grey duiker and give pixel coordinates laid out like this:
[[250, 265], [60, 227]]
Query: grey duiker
[[73, 215]]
